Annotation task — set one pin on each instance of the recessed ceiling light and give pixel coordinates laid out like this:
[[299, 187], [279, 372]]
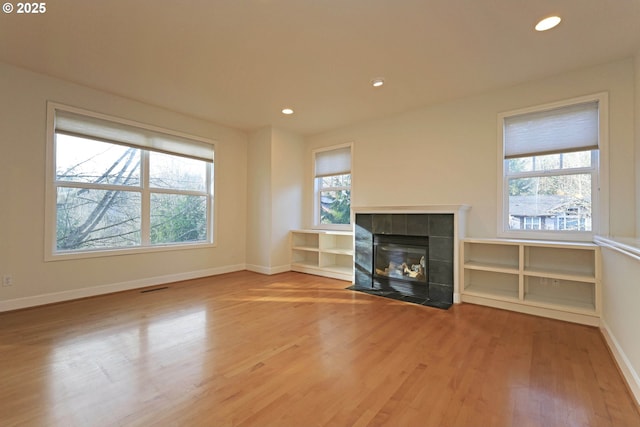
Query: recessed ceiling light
[[377, 82], [548, 23], [287, 111]]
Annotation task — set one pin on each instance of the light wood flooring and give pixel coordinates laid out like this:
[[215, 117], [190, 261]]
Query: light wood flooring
[[244, 349]]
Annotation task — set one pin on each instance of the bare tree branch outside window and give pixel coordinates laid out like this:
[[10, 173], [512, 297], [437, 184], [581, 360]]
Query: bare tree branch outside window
[[100, 190]]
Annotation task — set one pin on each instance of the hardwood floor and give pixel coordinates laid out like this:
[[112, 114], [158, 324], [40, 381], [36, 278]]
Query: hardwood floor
[[244, 349]]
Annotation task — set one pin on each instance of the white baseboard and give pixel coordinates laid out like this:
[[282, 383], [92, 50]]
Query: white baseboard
[[268, 270], [324, 272], [50, 298], [629, 373]]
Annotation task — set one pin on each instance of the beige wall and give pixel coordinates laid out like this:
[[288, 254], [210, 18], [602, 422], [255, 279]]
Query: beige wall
[[259, 195], [287, 163], [620, 314], [22, 173], [620, 285], [637, 138], [275, 186], [448, 153]]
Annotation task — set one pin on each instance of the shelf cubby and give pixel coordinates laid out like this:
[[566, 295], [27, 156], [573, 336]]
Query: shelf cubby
[[491, 255], [565, 293], [568, 261], [497, 284], [305, 241], [305, 257]]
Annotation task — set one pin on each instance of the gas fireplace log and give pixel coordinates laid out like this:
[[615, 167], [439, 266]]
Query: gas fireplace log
[[416, 271]]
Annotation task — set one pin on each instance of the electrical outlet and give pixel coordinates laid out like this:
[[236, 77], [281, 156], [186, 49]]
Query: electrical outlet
[[7, 280]]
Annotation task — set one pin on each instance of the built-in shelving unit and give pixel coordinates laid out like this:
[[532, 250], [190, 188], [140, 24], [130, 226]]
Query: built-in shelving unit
[[323, 253], [553, 279]]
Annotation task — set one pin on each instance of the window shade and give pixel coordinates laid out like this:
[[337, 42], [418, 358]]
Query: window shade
[[565, 129], [120, 133], [333, 162]]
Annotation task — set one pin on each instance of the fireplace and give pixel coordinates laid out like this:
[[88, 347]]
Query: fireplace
[[400, 262], [406, 256]]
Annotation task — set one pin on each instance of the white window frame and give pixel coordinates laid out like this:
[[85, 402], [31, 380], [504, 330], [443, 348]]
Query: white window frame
[[599, 171], [51, 253], [316, 190]]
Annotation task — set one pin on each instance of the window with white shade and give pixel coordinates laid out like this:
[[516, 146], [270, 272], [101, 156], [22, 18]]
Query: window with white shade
[[550, 169], [332, 183], [115, 185]]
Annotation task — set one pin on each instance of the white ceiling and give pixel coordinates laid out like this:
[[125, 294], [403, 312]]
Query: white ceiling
[[239, 62]]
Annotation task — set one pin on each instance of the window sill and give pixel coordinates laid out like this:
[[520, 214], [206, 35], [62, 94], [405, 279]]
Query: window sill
[[65, 256], [330, 227], [564, 236]]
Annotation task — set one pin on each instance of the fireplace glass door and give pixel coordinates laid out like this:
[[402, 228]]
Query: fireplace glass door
[[401, 258]]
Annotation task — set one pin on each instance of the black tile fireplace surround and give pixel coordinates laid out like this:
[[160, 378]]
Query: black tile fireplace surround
[[436, 229]]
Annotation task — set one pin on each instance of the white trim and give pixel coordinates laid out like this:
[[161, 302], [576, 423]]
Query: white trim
[[569, 236], [268, 270], [65, 256], [145, 201], [600, 195], [212, 212], [325, 272], [630, 375], [629, 246], [50, 193], [55, 297], [434, 209], [333, 227]]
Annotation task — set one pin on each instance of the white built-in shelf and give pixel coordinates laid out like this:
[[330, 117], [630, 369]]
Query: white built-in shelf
[[485, 290], [553, 279], [338, 251], [560, 275], [570, 305], [306, 248], [306, 264], [323, 253], [484, 266]]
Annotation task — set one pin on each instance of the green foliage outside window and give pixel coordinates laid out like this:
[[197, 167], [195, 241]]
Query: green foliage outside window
[[335, 199]]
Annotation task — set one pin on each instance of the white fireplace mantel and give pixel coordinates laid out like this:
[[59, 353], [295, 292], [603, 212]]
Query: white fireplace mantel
[[434, 209]]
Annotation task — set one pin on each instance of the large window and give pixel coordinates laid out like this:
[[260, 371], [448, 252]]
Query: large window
[[550, 170], [332, 181], [116, 185]]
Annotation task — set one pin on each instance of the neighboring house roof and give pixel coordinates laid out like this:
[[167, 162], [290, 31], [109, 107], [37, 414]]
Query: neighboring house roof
[[542, 205]]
